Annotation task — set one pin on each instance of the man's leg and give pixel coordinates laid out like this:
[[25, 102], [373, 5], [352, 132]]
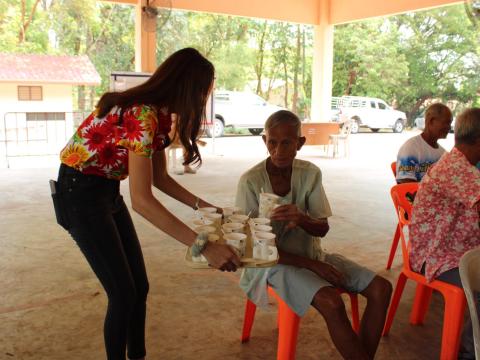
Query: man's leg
[[378, 294], [330, 304]]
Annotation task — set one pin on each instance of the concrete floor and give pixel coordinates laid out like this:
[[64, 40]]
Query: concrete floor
[[52, 306]]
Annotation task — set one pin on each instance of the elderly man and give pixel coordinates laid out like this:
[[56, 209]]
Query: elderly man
[[306, 275], [446, 212], [422, 151]]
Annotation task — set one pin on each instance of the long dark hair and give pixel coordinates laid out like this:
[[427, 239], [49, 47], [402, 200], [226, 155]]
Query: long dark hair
[[181, 83]]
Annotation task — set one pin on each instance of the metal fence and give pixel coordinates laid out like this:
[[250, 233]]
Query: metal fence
[[37, 133]]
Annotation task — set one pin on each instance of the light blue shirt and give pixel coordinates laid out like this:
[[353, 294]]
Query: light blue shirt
[[307, 193]]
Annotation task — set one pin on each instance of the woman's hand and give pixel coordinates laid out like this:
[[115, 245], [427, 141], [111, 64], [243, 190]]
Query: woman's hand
[[290, 213], [329, 273], [221, 257]]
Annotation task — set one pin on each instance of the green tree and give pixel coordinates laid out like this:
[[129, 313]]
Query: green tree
[[441, 47], [367, 60]]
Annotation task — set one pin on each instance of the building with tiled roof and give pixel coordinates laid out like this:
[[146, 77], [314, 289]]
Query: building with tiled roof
[[47, 69], [36, 97]]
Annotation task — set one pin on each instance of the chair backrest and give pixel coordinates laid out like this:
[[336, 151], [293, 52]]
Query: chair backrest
[[470, 275], [393, 165], [400, 196]]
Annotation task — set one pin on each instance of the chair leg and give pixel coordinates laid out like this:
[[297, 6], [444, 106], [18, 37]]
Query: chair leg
[[174, 159], [355, 312], [402, 279], [393, 248], [250, 309], [288, 323], [423, 295], [452, 325]]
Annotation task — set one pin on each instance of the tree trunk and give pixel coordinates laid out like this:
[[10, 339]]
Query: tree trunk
[[285, 76], [25, 22], [295, 72], [81, 97], [306, 108], [92, 98], [260, 58], [410, 114], [352, 78]]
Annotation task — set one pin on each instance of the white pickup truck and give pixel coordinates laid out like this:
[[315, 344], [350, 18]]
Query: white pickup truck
[[241, 110], [372, 113]]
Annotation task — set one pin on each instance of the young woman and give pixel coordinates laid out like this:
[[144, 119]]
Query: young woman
[[126, 136]]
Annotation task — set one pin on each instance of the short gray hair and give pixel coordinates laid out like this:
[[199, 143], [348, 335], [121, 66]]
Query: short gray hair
[[284, 117], [436, 110], [467, 127]]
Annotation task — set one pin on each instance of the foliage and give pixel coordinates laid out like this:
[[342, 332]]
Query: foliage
[[408, 60]]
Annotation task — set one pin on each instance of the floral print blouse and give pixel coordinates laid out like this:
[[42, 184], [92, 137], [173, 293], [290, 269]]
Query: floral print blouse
[[445, 221], [100, 145]]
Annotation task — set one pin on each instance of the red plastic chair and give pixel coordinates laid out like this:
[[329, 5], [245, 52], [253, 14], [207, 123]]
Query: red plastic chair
[[393, 165], [454, 297], [396, 236], [288, 323]]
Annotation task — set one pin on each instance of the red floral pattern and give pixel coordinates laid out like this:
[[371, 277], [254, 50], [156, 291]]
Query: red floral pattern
[[100, 145], [445, 221]]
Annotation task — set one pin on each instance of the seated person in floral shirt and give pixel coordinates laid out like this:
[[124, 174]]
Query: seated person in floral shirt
[[446, 213], [422, 151]]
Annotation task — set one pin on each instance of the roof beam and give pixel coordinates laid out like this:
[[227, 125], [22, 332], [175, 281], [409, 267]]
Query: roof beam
[[305, 11], [344, 11]]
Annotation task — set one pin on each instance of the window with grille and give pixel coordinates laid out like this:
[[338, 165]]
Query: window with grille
[[37, 116], [30, 93]]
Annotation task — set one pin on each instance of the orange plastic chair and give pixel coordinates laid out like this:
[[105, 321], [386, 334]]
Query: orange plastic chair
[[454, 297], [396, 236], [393, 165], [288, 323]]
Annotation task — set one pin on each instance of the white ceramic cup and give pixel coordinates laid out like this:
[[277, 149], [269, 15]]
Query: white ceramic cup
[[207, 209], [239, 218], [237, 241], [266, 204], [233, 228], [231, 210], [215, 218], [200, 222], [267, 238], [261, 228], [205, 229], [260, 221], [265, 252]]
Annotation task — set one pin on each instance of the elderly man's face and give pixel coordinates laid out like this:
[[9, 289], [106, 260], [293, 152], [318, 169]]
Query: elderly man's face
[[439, 126], [283, 143]]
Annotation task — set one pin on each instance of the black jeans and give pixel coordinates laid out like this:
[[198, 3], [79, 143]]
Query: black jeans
[[99, 221]]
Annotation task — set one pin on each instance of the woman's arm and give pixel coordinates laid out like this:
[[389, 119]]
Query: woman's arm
[[144, 203], [165, 183]]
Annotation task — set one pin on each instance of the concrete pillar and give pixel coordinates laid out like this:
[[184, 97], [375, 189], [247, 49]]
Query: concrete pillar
[[322, 67], [145, 42]]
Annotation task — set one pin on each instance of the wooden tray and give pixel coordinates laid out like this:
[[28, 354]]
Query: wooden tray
[[247, 261]]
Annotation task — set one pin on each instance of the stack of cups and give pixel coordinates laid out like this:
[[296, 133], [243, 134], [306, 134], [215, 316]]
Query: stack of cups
[[234, 235], [263, 239], [203, 224], [209, 215], [231, 210]]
